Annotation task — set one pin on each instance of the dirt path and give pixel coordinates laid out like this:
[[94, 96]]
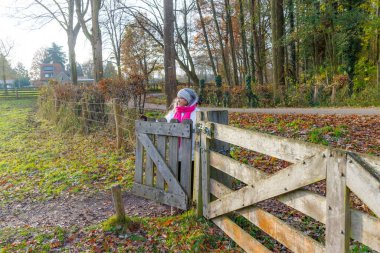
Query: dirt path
[[76, 210]]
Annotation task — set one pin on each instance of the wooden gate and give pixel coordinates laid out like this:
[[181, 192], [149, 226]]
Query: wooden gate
[[344, 172], [157, 176]]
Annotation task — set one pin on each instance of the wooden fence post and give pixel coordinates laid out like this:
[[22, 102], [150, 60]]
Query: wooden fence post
[[118, 203], [197, 187], [205, 162], [118, 117], [220, 117], [186, 161], [84, 115], [338, 209]]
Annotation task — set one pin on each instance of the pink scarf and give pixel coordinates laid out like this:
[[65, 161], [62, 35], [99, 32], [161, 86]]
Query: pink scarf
[[187, 110]]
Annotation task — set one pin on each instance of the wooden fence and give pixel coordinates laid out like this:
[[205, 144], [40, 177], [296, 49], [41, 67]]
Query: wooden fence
[[344, 172], [15, 93], [157, 176]]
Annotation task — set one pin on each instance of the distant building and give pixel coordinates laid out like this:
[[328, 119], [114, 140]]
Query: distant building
[[55, 71], [50, 71]]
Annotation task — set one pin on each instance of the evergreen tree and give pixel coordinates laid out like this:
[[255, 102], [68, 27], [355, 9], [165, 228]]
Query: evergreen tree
[[54, 54]]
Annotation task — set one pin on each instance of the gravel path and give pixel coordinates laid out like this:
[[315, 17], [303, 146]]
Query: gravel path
[[288, 110]]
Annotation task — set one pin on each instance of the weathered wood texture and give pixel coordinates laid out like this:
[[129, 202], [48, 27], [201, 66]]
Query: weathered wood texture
[[118, 203], [285, 234], [163, 128], [365, 185], [279, 147], [149, 165], [186, 160], [220, 117], [197, 187], [173, 155], [337, 197], [295, 176], [344, 171], [205, 164], [167, 198], [158, 180], [242, 238]]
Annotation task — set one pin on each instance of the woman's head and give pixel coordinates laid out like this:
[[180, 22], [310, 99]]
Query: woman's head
[[187, 97]]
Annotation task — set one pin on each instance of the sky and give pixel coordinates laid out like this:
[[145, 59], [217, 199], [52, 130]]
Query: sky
[[27, 39]]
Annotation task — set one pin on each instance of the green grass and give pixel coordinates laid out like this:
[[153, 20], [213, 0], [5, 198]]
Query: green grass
[[38, 161]]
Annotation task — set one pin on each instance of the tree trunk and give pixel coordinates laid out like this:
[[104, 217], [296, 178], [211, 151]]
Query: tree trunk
[[206, 39], [293, 59], [378, 50], [259, 43], [278, 51], [97, 40], [232, 42], [243, 39], [169, 51], [71, 41], [220, 40], [252, 41]]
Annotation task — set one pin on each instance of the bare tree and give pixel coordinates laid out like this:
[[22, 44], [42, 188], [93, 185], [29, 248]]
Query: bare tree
[[63, 13], [95, 36], [5, 50], [114, 24], [232, 41], [221, 46], [150, 18], [206, 37]]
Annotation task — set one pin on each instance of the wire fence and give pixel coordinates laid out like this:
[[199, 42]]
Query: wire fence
[[88, 116]]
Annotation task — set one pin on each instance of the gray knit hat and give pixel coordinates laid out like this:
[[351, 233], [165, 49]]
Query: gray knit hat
[[189, 94]]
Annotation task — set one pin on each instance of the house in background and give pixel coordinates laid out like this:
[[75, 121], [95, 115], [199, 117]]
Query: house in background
[[53, 71], [56, 71]]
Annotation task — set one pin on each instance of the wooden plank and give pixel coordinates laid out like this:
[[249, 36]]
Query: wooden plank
[[220, 117], [276, 228], [161, 196], [163, 128], [173, 155], [160, 163], [337, 199], [307, 202], [161, 147], [363, 184], [295, 176], [364, 228], [242, 238], [205, 163], [139, 162], [149, 171], [279, 147], [371, 160], [186, 161], [197, 188], [240, 171]]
